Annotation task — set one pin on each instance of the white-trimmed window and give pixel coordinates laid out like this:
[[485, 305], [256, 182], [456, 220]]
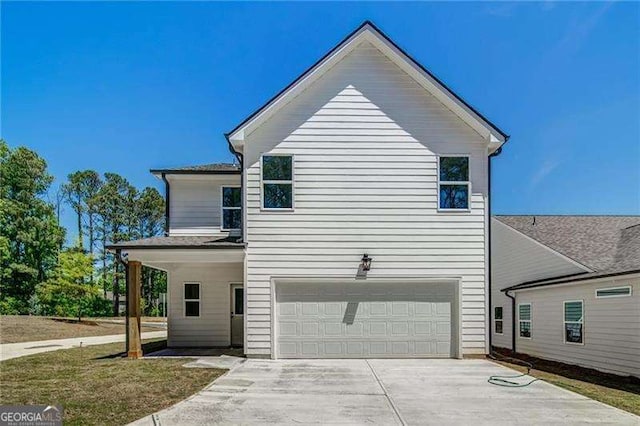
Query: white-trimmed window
[[603, 293], [524, 320], [574, 322], [231, 207], [497, 320], [454, 185], [277, 182], [191, 299]]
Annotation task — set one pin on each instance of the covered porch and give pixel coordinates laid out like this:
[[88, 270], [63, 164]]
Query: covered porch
[[205, 289]]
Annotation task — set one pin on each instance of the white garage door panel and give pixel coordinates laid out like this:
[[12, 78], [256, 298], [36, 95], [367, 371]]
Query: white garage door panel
[[356, 320]]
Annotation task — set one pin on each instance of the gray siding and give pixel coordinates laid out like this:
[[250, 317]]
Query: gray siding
[[611, 326], [365, 137], [212, 328], [516, 259], [196, 203]]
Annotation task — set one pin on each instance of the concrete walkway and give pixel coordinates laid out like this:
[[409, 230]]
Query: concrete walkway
[[383, 392], [15, 350]]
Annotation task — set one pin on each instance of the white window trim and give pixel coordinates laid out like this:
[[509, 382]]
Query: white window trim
[[223, 208], [291, 182], [615, 295], [449, 182], [185, 300], [565, 322], [495, 320], [530, 320]]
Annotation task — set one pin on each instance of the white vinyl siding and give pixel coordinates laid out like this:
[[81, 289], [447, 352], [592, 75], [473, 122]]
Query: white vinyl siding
[[365, 138], [196, 204], [611, 330], [212, 327], [516, 259]]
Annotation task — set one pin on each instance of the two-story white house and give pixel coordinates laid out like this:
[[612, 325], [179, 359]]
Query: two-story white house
[[355, 223]]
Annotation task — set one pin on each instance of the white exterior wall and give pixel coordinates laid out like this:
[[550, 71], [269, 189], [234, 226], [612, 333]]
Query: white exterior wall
[[515, 259], [196, 203], [611, 326], [212, 328], [365, 138]]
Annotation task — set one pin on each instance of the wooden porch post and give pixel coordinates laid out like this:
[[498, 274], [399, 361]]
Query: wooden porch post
[[134, 272]]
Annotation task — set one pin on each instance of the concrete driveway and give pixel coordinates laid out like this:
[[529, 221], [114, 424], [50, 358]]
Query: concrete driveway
[[385, 392]]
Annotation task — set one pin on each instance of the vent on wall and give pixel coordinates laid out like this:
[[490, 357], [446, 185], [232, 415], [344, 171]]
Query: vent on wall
[[613, 292]]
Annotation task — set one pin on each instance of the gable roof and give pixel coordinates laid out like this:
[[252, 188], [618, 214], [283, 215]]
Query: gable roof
[[368, 31], [213, 168], [608, 245]]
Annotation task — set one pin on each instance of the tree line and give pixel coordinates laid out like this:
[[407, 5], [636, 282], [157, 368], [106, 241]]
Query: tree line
[[40, 275]]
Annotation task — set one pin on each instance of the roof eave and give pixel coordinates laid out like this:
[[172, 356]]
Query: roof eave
[[238, 246], [575, 278]]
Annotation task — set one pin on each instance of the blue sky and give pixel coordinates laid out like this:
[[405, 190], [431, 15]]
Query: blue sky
[[125, 87]]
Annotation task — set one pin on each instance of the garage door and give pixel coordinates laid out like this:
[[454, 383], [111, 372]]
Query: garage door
[[363, 319]]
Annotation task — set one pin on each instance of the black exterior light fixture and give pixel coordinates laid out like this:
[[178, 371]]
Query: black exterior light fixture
[[365, 264], [363, 267]]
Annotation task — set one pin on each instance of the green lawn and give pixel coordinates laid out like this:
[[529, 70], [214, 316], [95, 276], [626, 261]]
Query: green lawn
[[95, 386]]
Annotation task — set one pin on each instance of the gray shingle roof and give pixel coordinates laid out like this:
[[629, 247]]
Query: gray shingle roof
[[182, 242], [608, 245], [211, 168]]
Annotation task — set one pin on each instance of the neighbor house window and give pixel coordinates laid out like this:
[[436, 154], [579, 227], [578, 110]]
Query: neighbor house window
[[277, 182], [524, 320], [453, 183], [573, 321], [497, 318], [602, 293], [191, 299], [231, 207]]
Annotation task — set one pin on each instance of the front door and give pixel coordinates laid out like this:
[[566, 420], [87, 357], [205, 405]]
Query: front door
[[237, 314]]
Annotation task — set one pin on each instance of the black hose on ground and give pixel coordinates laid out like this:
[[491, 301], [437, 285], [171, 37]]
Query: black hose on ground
[[507, 381]]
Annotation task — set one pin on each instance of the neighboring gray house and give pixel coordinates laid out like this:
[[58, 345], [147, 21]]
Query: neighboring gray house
[[355, 225], [574, 285]]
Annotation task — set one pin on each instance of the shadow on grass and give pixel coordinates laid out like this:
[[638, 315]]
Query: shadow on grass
[[589, 375], [147, 348]]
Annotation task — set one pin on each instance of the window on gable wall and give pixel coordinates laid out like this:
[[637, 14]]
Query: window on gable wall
[[231, 207], [277, 182], [454, 186]]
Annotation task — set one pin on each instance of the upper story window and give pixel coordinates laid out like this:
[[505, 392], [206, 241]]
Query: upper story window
[[277, 182], [231, 207], [454, 186]]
